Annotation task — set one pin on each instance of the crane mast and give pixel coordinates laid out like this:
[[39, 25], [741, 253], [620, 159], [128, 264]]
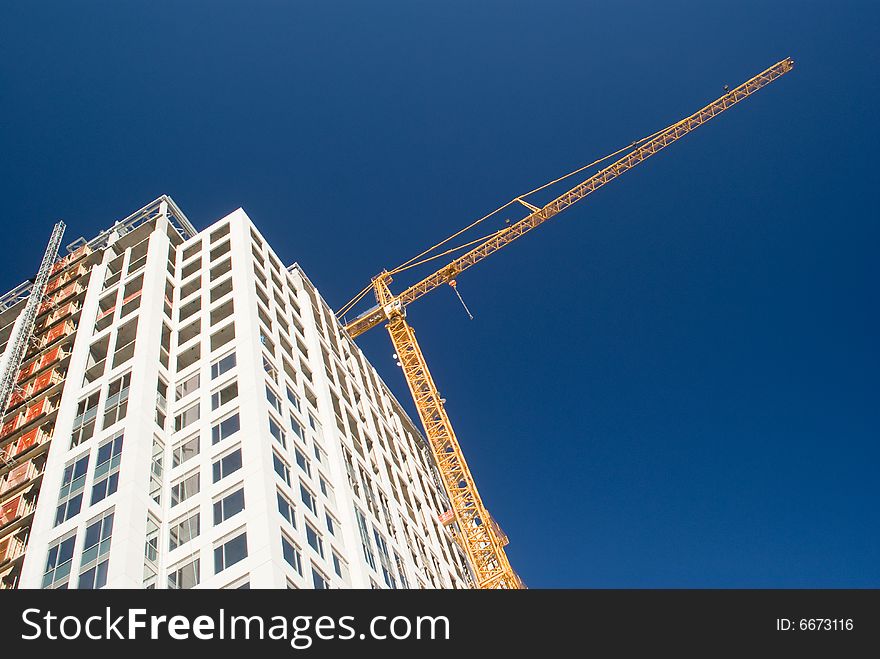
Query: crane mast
[[477, 533]]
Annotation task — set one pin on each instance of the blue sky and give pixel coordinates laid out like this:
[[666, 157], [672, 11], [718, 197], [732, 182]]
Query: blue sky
[[674, 384]]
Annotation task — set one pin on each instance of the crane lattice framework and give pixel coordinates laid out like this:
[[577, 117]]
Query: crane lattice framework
[[479, 536]]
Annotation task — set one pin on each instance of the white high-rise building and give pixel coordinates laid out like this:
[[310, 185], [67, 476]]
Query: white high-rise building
[[190, 413]]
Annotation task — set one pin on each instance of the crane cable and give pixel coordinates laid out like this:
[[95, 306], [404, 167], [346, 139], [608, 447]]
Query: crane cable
[[417, 260]]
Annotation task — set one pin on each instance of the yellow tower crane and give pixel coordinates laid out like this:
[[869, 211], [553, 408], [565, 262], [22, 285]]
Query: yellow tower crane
[[478, 534]]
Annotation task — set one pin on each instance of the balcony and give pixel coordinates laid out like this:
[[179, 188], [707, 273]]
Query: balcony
[[33, 437], [37, 410], [46, 380], [14, 510], [65, 277], [71, 258], [52, 356], [18, 396], [11, 547], [26, 371], [20, 475], [61, 296], [10, 426], [56, 332], [9, 576]]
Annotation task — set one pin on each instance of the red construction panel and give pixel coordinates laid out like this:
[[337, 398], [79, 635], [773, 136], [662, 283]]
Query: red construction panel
[[53, 284], [79, 252], [17, 398], [56, 332], [17, 476], [26, 371], [9, 427], [45, 380], [50, 357], [27, 440], [7, 548], [9, 510], [38, 409]]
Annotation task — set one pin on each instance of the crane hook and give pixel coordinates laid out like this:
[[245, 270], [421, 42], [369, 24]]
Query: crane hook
[[454, 285]]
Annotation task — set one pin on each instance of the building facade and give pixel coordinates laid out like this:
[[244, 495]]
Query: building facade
[[190, 413]]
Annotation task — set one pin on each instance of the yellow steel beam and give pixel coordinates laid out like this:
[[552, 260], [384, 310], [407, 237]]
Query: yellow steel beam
[[480, 541]]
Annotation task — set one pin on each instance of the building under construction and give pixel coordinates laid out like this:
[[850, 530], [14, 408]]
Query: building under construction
[[189, 412], [195, 415]]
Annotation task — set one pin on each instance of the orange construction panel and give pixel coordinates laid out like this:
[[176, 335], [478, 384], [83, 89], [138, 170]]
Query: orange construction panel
[[30, 438], [45, 380], [57, 331], [66, 292], [53, 284], [9, 427], [50, 357], [39, 408], [18, 476], [26, 371], [78, 253], [17, 398], [9, 510]]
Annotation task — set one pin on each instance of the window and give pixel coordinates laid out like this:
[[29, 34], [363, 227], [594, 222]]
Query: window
[[291, 554], [221, 312], [84, 423], [281, 468], [268, 366], [276, 432], [117, 400], [293, 398], [224, 395], [156, 470], [326, 489], [401, 570], [285, 507], [314, 539], [227, 427], [230, 552], [186, 387], [187, 449], [217, 234], [365, 538], [230, 505], [303, 462], [308, 498], [239, 584], [319, 453], [185, 418], [58, 563], [229, 463], [184, 575], [96, 547], [72, 483], [332, 524], [339, 567], [320, 581], [298, 430], [182, 531], [151, 546], [185, 488], [107, 469], [222, 365], [273, 399]]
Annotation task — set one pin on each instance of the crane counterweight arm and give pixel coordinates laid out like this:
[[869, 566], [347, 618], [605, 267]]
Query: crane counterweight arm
[[638, 155]]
